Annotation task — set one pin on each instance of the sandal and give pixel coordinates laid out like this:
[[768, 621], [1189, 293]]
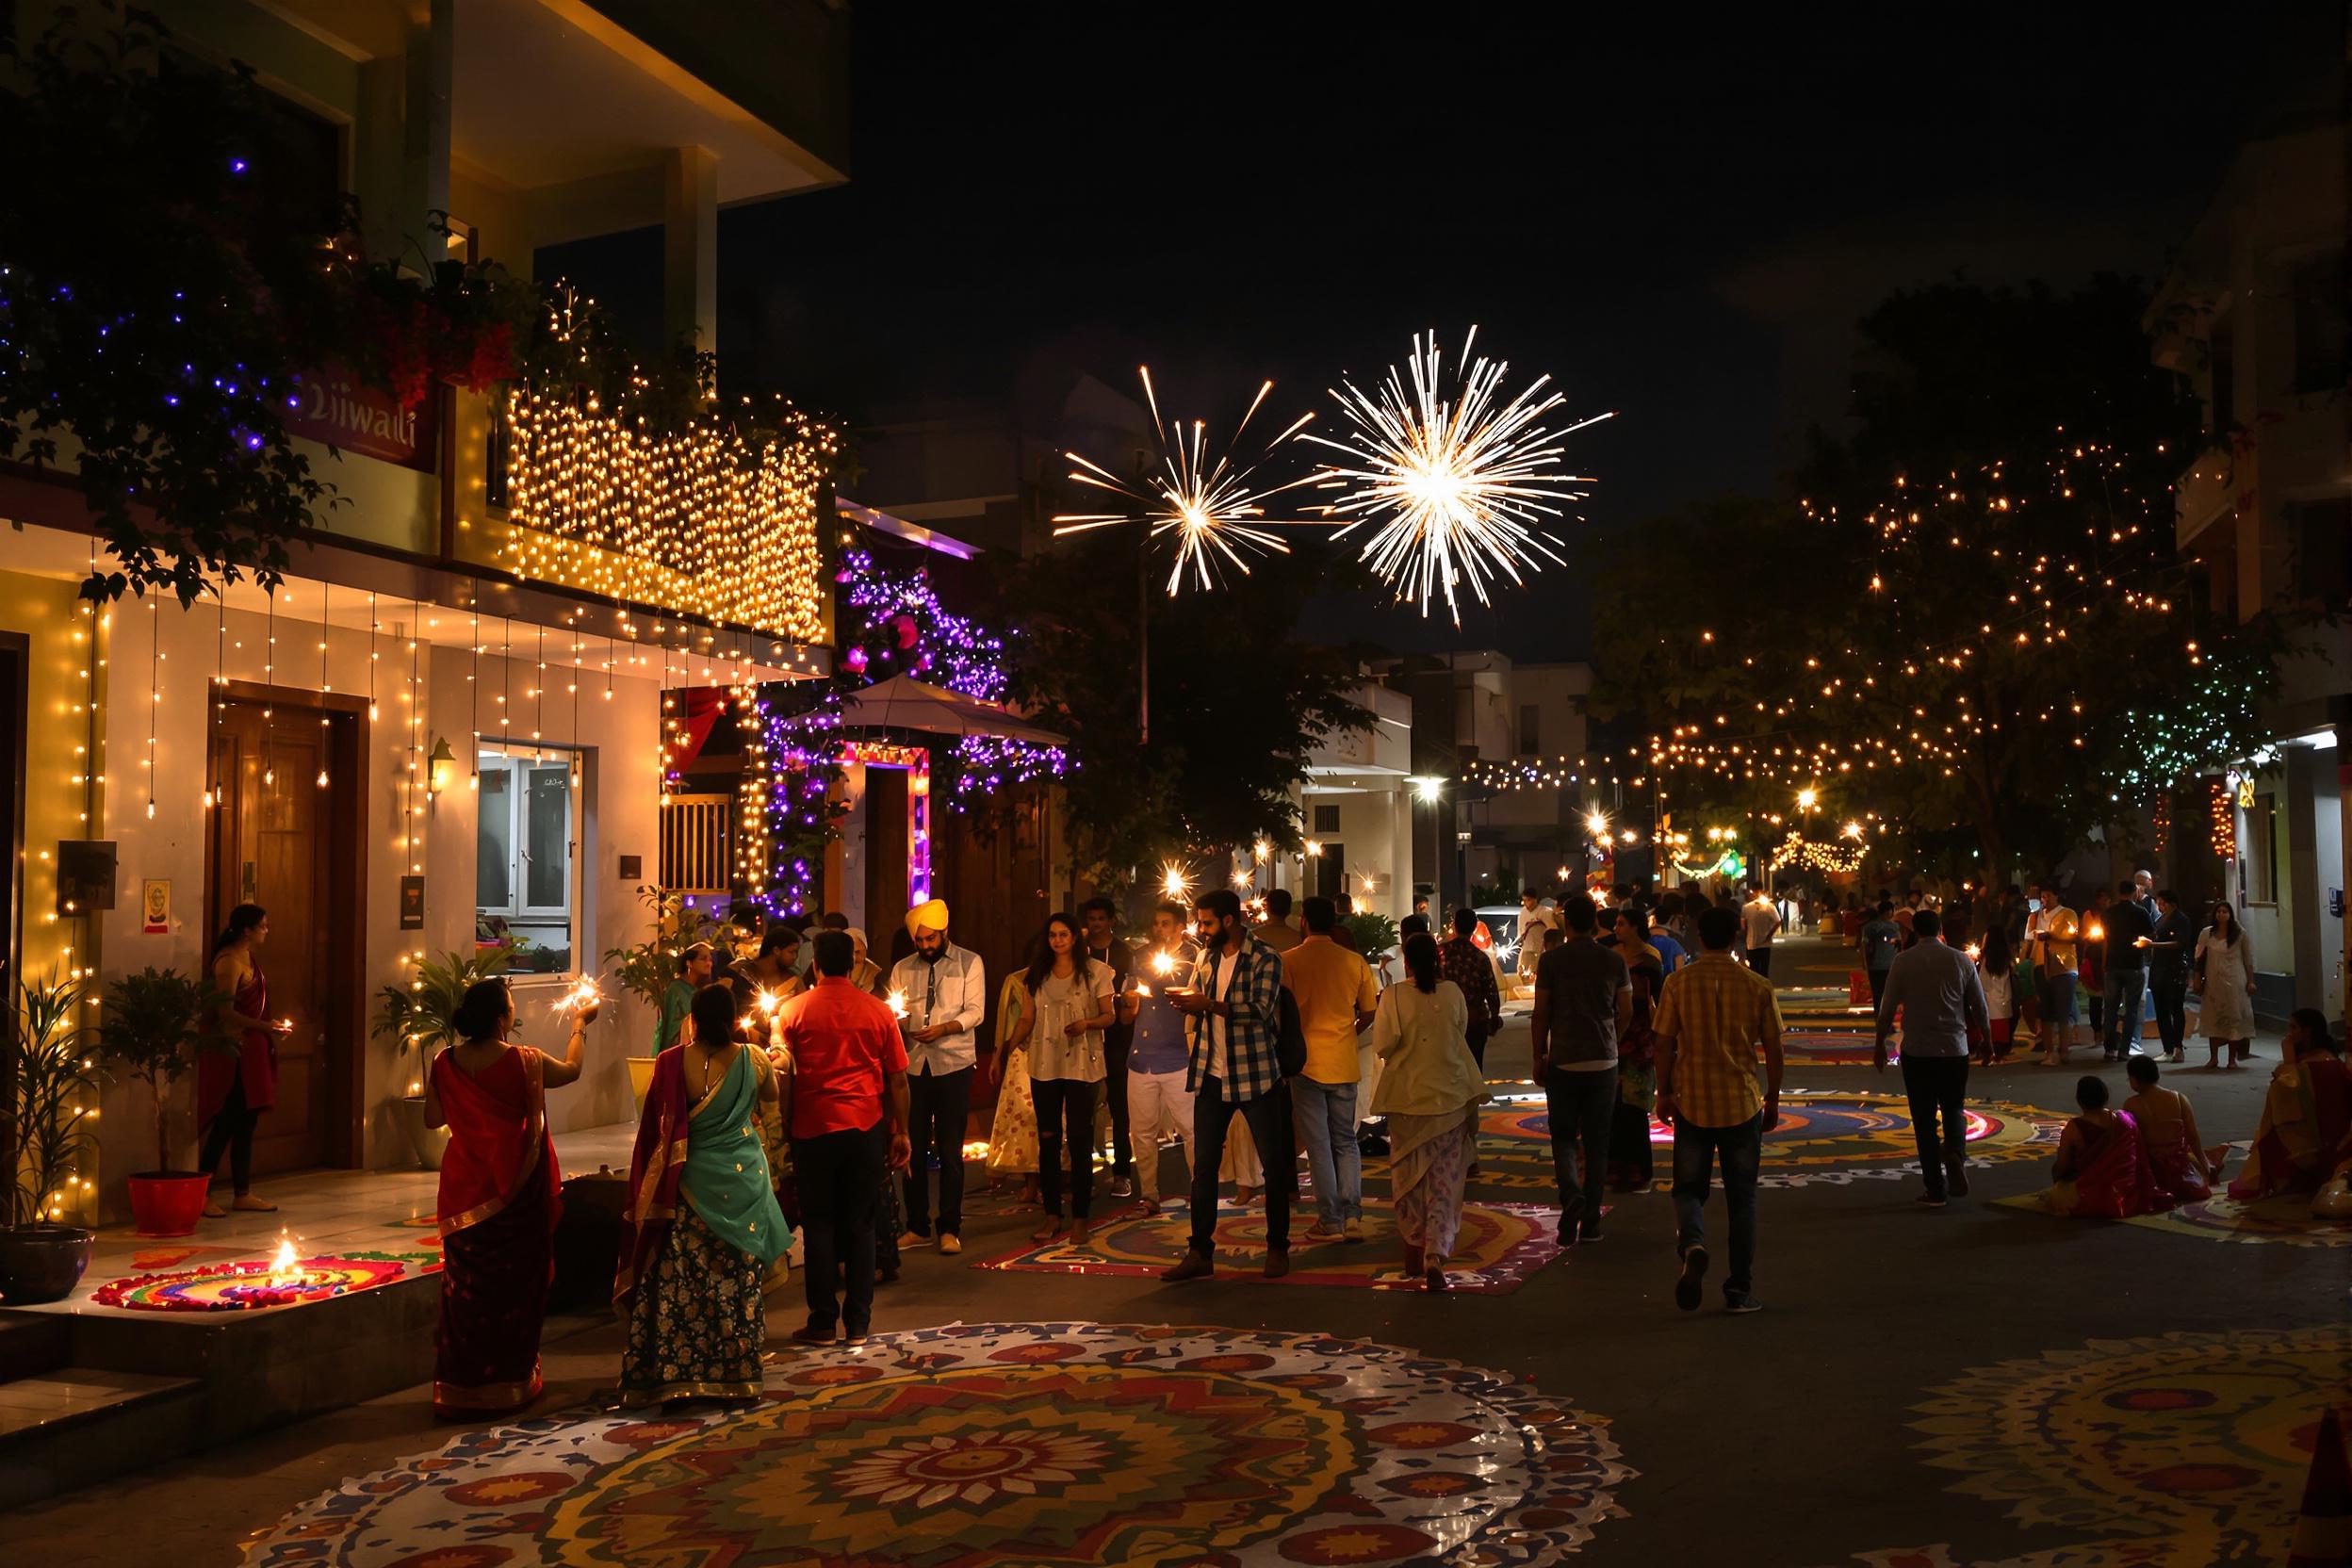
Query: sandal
[[1051, 1231]]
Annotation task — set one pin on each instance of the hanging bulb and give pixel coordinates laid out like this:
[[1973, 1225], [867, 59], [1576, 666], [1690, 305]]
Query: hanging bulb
[[322, 779], [269, 775]]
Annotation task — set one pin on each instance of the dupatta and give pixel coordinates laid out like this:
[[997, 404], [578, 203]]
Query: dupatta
[[2115, 1183], [714, 1143], [496, 1145]]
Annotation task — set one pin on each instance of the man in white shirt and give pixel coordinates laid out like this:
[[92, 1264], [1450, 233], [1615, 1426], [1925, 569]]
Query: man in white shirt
[[944, 989], [1534, 920], [1761, 919]]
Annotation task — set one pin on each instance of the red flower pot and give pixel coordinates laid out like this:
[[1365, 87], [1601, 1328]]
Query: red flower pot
[[167, 1203]]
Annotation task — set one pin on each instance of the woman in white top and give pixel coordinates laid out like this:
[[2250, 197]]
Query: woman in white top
[[2224, 984], [1069, 1007], [1430, 1089], [1996, 966]]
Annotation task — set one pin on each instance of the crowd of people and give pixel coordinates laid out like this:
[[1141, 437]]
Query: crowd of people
[[804, 1086]]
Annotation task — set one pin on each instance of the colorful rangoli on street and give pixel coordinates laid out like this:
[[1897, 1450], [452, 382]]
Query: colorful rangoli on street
[[2175, 1452], [1500, 1245], [987, 1446], [1825, 1138], [2286, 1219], [254, 1283]]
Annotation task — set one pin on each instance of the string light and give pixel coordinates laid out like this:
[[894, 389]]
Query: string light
[[717, 520]]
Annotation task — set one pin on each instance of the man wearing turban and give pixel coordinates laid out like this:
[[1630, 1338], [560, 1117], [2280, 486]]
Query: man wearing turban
[[945, 991]]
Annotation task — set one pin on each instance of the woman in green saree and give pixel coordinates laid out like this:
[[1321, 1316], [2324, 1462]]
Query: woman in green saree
[[703, 1221]]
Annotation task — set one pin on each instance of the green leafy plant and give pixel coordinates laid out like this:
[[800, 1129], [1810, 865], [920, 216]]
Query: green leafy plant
[[1375, 933], [53, 1099], [645, 970], [153, 1030], [421, 1012]]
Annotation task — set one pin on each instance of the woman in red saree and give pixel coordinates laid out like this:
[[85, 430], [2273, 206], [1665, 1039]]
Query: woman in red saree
[[2307, 1114], [2102, 1166], [233, 1087], [498, 1204], [2176, 1156]]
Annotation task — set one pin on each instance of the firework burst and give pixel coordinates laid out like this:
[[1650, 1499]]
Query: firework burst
[[1456, 488], [1215, 508]]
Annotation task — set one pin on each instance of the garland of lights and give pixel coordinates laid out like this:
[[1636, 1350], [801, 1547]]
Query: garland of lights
[[1836, 858], [717, 519], [2224, 811], [1537, 773]]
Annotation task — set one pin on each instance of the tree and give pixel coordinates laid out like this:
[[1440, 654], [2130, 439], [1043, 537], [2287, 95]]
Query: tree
[[1968, 613], [1238, 703]]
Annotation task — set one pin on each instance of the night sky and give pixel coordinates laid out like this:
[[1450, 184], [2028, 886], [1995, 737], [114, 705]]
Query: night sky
[[1677, 216]]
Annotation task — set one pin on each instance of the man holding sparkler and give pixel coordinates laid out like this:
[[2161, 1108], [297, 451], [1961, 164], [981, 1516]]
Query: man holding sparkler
[[1233, 1001], [1158, 1103], [940, 993]]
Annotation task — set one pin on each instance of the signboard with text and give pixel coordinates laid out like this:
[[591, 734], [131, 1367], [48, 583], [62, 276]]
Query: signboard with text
[[333, 405]]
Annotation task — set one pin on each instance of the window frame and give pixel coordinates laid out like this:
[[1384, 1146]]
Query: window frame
[[518, 762], [2261, 843]]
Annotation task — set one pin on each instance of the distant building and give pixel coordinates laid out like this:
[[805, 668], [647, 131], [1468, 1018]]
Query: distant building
[[2253, 313]]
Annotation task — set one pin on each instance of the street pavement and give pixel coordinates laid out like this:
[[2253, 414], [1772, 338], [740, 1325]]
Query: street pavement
[[1792, 1436]]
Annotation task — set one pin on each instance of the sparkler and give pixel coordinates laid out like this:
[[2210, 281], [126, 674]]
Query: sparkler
[[1456, 489], [1163, 964], [582, 996], [898, 1003], [1215, 506], [1174, 885]]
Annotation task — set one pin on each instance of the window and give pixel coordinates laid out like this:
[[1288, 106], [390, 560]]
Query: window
[[527, 861], [2262, 850], [2321, 325], [1327, 819], [1531, 730]]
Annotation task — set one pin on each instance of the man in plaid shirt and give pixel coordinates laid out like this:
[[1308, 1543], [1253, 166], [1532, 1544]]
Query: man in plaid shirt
[[1711, 1016], [1233, 1001], [1465, 963]]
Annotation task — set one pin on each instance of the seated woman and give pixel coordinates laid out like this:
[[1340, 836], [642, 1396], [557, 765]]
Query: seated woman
[[2175, 1157], [2101, 1168], [703, 1224], [2306, 1115], [497, 1203]]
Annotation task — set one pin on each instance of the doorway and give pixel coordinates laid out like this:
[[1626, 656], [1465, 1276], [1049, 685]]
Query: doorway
[[887, 848], [285, 836]]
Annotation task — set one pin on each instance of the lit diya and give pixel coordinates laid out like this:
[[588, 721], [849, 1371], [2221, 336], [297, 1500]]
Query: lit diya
[[282, 1281]]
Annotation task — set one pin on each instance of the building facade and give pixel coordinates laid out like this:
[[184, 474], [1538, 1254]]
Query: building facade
[[444, 732], [2253, 312]]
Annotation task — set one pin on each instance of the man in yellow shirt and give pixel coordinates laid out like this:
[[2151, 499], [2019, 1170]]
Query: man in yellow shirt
[[1711, 1014], [1336, 996]]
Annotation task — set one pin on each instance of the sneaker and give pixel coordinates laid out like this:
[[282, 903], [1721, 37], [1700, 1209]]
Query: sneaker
[[1589, 1233], [1323, 1230], [1122, 1186], [1195, 1266], [950, 1243], [1736, 1305], [908, 1240], [812, 1334], [1687, 1281], [1277, 1262], [1957, 1180], [1351, 1229], [853, 1341], [1929, 1199]]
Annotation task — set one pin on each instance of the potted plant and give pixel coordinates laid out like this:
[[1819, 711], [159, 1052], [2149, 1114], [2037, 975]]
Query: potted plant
[[153, 1030], [645, 970], [53, 1099], [419, 1014]]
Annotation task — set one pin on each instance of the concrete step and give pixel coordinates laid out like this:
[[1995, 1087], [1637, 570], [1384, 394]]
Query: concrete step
[[74, 1425], [33, 1343]]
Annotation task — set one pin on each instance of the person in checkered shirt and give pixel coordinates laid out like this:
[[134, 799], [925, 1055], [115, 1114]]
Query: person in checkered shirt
[[1711, 1014]]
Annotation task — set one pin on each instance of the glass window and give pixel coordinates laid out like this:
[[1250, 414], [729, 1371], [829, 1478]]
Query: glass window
[[526, 875]]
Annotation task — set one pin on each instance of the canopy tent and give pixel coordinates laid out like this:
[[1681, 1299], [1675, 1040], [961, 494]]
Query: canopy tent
[[903, 702]]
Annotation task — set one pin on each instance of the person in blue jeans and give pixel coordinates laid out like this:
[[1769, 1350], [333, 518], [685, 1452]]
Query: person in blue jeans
[[1712, 1016], [2131, 933], [1336, 994], [1583, 1006]]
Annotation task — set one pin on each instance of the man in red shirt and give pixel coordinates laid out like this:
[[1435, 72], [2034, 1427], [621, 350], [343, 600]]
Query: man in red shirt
[[845, 1108]]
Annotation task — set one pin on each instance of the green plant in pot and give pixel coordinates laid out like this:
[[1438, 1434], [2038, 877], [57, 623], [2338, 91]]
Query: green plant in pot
[[153, 1030], [646, 969], [419, 1014], [53, 1099]]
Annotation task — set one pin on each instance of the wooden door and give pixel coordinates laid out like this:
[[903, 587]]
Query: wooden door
[[277, 838], [886, 857]]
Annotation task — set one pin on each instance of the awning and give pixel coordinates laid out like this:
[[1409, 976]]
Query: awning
[[903, 702]]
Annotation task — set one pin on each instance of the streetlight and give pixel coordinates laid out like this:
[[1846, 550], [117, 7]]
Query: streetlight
[[1429, 789]]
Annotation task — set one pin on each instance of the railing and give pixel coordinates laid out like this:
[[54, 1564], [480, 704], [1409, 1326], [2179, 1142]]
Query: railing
[[696, 852]]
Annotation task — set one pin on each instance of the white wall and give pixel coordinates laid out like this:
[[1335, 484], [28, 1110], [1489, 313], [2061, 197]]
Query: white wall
[[620, 793]]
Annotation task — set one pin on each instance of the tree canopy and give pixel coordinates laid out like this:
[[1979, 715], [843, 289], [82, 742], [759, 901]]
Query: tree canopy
[[1238, 702], [1967, 612]]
